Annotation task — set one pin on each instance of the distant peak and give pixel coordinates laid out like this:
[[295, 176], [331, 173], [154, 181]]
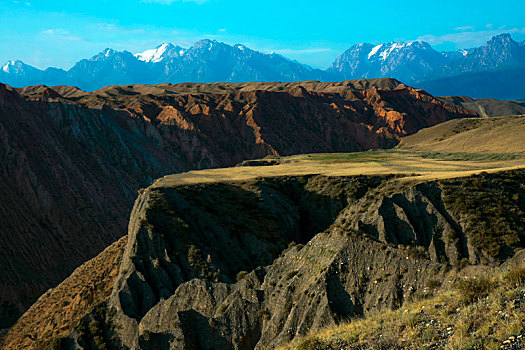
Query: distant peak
[[164, 46], [108, 52], [361, 46], [501, 38], [10, 64], [208, 44], [418, 43], [207, 41], [164, 50]]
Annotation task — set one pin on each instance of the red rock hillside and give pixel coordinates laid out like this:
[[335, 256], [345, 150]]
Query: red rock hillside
[[71, 162]]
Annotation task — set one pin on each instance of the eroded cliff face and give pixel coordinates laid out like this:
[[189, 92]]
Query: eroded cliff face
[[213, 265], [71, 162]]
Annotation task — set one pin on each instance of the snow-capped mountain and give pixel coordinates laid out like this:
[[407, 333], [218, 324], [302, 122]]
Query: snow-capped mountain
[[417, 61], [18, 73], [403, 61], [19, 68], [413, 62], [205, 61], [109, 67], [160, 53], [499, 52], [211, 61]]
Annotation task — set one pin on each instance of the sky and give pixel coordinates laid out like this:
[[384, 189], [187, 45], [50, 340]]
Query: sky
[[56, 33]]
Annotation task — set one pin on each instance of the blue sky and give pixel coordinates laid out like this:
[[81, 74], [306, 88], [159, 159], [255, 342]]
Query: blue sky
[[58, 33]]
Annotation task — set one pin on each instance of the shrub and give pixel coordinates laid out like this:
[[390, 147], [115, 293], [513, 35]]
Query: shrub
[[473, 289], [461, 264], [311, 343], [418, 253], [241, 275], [433, 283], [515, 277], [264, 313]]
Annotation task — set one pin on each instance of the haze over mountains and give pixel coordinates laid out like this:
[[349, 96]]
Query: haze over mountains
[[494, 70]]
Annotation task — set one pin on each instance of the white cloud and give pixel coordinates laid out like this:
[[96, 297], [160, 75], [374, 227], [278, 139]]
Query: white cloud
[[61, 34], [465, 28], [110, 27]]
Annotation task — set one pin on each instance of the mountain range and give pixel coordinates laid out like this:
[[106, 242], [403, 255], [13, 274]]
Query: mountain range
[[494, 70]]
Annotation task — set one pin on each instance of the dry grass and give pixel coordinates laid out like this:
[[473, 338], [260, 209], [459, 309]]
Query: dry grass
[[444, 321], [457, 148], [411, 163], [480, 135]]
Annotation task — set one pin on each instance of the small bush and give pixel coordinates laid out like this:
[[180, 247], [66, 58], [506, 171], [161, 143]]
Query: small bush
[[264, 314], [461, 264], [473, 289], [433, 283], [312, 343], [515, 277], [241, 275], [418, 253]]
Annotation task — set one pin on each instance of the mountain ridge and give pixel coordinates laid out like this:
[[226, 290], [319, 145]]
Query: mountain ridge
[[414, 62]]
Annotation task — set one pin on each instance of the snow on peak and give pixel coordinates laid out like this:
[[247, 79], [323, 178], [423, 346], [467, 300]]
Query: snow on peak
[[383, 51], [10, 65], [108, 52], [374, 50], [7, 67], [157, 54], [394, 46]]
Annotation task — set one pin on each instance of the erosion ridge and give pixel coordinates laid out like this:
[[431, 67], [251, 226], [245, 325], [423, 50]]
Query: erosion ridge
[[308, 252], [73, 161]]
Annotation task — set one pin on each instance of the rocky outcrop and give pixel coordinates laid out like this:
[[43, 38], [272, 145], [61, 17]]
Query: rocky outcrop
[[71, 161], [255, 264]]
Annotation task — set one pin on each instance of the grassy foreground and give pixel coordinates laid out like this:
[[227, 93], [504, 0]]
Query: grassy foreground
[[477, 312]]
